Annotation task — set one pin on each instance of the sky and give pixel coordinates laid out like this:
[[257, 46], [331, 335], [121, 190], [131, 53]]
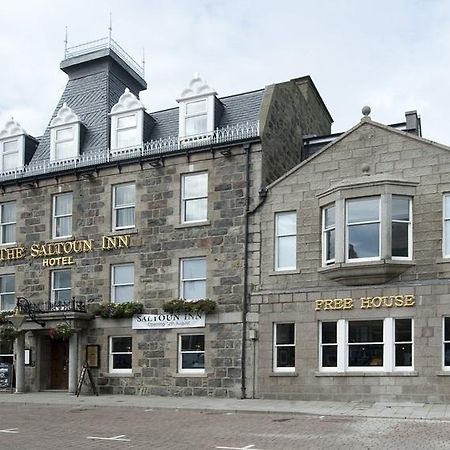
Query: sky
[[391, 55]]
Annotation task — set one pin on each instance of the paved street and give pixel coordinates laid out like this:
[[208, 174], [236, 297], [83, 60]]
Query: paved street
[[28, 426]]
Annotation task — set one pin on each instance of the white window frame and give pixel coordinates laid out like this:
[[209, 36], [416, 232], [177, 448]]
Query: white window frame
[[115, 208], [279, 236], [444, 367], [180, 354], [114, 285], [185, 200], [4, 152], [3, 224], [410, 228], [276, 346], [445, 219], [3, 293], [187, 280], [366, 222], [192, 115], [389, 343], [111, 353], [54, 290], [56, 217], [75, 140], [118, 129], [325, 231]]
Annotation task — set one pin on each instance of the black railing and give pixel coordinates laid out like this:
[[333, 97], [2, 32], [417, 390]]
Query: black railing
[[60, 305]]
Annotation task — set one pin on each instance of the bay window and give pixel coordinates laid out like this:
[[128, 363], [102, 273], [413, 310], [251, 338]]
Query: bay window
[[328, 234], [446, 226], [366, 345]]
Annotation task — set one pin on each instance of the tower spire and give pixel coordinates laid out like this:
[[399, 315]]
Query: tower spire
[[110, 28], [65, 44]]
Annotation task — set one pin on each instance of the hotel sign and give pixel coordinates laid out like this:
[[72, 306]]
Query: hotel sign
[[387, 301], [166, 321], [61, 253]]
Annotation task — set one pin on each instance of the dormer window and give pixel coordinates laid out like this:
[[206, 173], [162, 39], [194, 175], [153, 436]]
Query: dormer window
[[197, 110], [196, 117], [65, 130], [12, 146], [127, 122]]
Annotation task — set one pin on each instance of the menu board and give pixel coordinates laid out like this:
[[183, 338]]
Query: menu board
[[5, 376]]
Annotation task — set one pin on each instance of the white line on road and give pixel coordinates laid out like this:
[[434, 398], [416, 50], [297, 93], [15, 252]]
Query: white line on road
[[247, 447], [10, 430], [121, 437]]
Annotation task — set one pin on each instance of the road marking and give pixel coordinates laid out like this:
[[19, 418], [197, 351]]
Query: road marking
[[121, 437], [10, 430], [147, 410], [247, 447]]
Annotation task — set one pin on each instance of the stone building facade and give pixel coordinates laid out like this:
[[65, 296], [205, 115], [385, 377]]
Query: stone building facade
[[115, 204], [350, 267]]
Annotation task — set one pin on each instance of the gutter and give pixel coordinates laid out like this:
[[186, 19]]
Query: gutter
[[248, 213]]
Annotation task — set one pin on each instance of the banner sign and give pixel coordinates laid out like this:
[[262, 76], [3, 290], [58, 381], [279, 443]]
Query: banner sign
[[161, 321]]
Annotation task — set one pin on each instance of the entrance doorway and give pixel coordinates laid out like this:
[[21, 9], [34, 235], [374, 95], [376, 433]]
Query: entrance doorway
[[59, 364], [54, 371]]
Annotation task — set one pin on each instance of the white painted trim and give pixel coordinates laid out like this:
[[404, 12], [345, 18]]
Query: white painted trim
[[110, 356], [184, 200], [114, 284], [183, 280], [115, 208], [277, 267], [55, 217], [275, 346], [180, 353]]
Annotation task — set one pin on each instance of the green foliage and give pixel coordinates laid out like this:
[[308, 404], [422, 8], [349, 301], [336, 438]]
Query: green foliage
[[8, 334], [190, 306], [62, 331], [119, 310], [4, 317]]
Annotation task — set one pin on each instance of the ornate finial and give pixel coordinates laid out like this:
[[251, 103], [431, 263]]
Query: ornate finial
[[143, 60], [110, 27], [366, 111], [65, 44], [365, 169]]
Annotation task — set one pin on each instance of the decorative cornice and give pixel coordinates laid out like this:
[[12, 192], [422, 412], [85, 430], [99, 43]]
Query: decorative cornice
[[127, 102], [197, 88], [12, 128], [65, 116]]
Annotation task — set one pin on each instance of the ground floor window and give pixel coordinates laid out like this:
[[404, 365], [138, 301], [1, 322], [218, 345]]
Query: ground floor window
[[120, 354], [6, 352], [446, 344], [366, 345], [284, 347], [191, 353]]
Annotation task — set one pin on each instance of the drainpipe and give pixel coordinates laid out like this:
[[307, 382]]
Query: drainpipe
[[248, 212]]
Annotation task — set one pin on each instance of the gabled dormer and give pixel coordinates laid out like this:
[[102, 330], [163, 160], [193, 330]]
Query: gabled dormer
[[127, 122], [198, 110], [65, 134], [15, 145]]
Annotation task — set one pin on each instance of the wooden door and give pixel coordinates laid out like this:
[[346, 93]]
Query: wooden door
[[59, 364]]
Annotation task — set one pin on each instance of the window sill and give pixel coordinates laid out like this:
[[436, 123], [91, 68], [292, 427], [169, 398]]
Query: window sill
[[285, 272], [443, 261], [283, 374], [190, 375], [411, 373], [368, 272], [122, 231], [443, 373], [200, 223], [118, 375]]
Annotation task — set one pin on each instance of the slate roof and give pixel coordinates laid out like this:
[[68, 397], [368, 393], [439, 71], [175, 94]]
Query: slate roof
[[91, 97]]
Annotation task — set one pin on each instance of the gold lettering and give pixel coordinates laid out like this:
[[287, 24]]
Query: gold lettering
[[319, 304], [388, 302], [338, 303], [68, 247], [376, 302], [366, 302], [123, 241], [35, 250], [108, 243], [398, 300], [45, 263], [328, 305], [410, 300], [348, 303], [87, 245]]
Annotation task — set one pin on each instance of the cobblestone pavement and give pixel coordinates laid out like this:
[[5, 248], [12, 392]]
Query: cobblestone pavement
[[34, 427]]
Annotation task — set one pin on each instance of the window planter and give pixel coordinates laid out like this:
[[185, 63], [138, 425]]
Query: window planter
[[61, 332], [119, 310], [191, 306]]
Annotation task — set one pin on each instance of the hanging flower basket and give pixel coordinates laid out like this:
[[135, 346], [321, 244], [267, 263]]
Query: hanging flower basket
[[179, 305], [8, 334], [119, 310], [61, 332], [4, 317]]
